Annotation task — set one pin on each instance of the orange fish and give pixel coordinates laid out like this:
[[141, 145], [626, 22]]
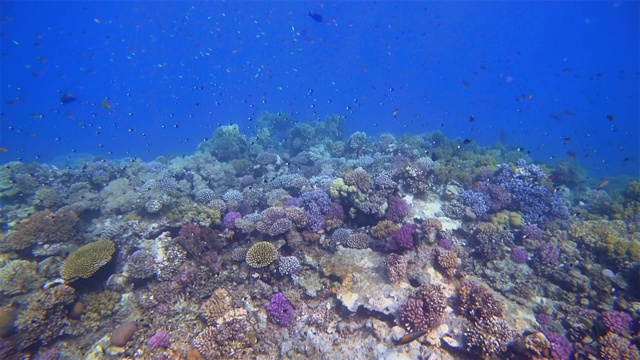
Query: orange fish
[[603, 183], [3, 149], [106, 105]]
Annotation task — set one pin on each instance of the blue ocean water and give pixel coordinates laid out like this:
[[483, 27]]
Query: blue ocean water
[[556, 79]]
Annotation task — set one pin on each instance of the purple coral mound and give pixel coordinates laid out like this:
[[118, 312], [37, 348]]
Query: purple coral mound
[[316, 204], [403, 237], [229, 220], [617, 322], [561, 348], [280, 309], [519, 255], [549, 254], [161, 339], [398, 209]]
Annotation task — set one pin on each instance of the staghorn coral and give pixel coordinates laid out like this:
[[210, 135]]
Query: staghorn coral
[[88, 259], [261, 254], [43, 227], [489, 336]]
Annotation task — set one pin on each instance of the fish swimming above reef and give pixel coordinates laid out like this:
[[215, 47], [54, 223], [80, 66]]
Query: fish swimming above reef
[[410, 337], [67, 98], [316, 17]]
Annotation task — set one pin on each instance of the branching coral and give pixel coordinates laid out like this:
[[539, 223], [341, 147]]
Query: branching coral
[[425, 309], [43, 227], [489, 336]]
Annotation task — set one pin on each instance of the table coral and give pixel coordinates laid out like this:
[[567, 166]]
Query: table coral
[[261, 254], [88, 259]]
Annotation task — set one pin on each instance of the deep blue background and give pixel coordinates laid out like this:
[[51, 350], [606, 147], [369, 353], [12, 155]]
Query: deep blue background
[[532, 74]]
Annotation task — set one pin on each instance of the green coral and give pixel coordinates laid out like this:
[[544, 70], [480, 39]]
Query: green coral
[[88, 259], [614, 240], [227, 143], [506, 218], [261, 254]]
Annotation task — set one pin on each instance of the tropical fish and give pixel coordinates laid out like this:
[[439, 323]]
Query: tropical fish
[[316, 17], [410, 337], [602, 183], [3, 149], [67, 98]]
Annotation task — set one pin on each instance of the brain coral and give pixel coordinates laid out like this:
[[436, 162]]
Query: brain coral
[[88, 259], [261, 254]]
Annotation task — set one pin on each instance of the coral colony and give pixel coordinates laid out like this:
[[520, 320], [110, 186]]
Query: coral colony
[[257, 248]]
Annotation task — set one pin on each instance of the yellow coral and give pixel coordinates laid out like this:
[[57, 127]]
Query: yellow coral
[[384, 229], [88, 259], [261, 254], [506, 218]]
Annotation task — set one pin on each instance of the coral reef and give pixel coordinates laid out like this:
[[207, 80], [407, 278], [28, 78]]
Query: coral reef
[[301, 241]]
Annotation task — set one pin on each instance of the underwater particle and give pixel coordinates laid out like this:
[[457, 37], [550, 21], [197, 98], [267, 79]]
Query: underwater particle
[[121, 335], [280, 309], [88, 259], [261, 254]]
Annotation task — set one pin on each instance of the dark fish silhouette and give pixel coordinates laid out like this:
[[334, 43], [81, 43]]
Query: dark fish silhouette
[[67, 98], [316, 17]]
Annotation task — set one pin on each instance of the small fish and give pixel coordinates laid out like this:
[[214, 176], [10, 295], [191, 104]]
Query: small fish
[[465, 84], [67, 98], [467, 141], [572, 155], [602, 183], [472, 119], [566, 140], [105, 105], [3, 149], [410, 337], [609, 117], [316, 17]]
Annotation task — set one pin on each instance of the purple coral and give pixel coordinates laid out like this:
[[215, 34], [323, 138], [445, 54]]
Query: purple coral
[[560, 348], [280, 309], [477, 202], [532, 231], [316, 204], [191, 231], [398, 209], [549, 254], [336, 212], [161, 339], [403, 237], [529, 193], [617, 322], [229, 220], [519, 256], [499, 197]]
